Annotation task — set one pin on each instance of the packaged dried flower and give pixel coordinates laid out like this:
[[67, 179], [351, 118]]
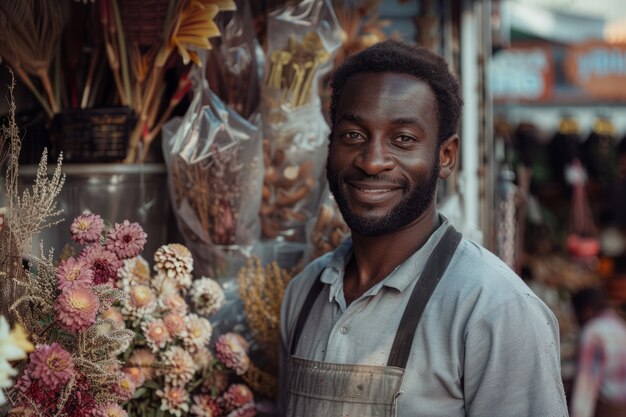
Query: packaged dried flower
[[214, 164], [295, 130]]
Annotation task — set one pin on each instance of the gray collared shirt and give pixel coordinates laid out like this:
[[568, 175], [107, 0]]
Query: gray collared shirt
[[485, 346]]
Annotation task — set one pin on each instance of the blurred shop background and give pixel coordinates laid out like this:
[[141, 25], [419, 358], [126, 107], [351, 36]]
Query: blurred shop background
[[542, 175]]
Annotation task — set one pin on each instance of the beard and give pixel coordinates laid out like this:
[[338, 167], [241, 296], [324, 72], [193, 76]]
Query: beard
[[412, 205]]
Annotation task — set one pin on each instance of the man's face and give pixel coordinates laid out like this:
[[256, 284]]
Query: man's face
[[383, 161]]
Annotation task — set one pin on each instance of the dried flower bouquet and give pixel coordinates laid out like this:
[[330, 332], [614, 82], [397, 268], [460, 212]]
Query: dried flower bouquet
[[172, 368]]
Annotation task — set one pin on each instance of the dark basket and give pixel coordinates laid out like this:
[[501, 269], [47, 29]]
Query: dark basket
[[92, 135]]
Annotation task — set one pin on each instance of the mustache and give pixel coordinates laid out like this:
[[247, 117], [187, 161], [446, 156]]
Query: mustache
[[376, 178]]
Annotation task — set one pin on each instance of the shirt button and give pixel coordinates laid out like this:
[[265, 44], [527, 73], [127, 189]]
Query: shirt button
[[344, 329]]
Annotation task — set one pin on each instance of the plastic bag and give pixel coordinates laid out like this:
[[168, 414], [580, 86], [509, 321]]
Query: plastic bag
[[234, 70], [294, 126], [213, 157]]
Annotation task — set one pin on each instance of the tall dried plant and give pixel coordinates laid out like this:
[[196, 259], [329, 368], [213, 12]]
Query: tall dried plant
[[261, 290], [31, 30], [26, 215], [139, 69]]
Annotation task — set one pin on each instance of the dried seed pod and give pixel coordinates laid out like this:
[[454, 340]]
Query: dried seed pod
[[271, 176], [267, 210], [279, 157], [286, 198], [267, 192], [292, 215], [270, 228]]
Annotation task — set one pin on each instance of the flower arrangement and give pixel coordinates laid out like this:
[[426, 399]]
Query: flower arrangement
[[74, 369], [170, 367]]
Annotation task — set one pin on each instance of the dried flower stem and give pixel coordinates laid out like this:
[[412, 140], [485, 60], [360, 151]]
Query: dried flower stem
[[28, 82], [122, 50]]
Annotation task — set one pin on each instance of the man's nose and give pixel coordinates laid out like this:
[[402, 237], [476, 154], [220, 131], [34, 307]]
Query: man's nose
[[374, 157]]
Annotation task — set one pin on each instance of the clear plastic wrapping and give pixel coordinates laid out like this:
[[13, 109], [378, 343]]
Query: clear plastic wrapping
[[214, 162], [295, 130]]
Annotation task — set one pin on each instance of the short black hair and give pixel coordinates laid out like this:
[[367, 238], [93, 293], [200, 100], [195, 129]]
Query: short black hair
[[402, 58]]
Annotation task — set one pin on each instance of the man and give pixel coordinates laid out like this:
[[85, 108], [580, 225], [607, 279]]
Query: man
[[600, 384], [360, 333]]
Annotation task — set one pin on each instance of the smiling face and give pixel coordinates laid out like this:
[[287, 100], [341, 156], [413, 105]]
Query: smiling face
[[383, 162]]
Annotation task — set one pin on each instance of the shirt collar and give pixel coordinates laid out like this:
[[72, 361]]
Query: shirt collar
[[399, 279]]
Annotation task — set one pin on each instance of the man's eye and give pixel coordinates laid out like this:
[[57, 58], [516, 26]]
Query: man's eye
[[352, 135], [405, 139]]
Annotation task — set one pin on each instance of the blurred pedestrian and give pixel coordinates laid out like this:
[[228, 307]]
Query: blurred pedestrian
[[600, 384]]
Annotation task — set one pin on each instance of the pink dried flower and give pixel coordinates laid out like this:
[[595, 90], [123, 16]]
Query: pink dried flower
[[178, 366], [174, 303], [76, 309], [175, 324], [73, 272], [125, 388], [113, 313], [216, 382], [109, 410], [144, 360], [80, 402], [156, 334], [135, 374], [203, 357], [135, 271], [199, 330], [237, 395], [231, 349], [174, 400], [205, 406], [141, 296], [24, 382], [248, 410], [104, 264], [86, 228], [51, 364], [126, 239]]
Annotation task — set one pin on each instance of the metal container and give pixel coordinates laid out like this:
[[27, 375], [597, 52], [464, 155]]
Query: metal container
[[116, 192]]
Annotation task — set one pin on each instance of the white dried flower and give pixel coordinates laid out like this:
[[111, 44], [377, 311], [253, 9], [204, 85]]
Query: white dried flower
[[207, 296]]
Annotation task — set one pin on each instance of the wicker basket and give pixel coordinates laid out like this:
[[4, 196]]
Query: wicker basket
[[144, 20], [92, 135]]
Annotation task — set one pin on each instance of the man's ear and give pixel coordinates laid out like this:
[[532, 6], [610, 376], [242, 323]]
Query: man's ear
[[448, 152]]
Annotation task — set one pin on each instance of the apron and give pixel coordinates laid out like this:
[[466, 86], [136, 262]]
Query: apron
[[321, 389]]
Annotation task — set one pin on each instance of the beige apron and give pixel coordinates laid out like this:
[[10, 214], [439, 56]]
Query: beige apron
[[320, 389]]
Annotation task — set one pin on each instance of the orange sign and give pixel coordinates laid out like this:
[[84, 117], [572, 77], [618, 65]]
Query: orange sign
[[598, 68]]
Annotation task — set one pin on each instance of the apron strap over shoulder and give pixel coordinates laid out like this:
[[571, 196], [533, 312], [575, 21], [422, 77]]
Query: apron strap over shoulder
[[436, 265], [314, 292]]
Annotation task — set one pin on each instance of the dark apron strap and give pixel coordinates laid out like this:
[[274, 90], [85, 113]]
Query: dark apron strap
[[314, 292], [433, 271]]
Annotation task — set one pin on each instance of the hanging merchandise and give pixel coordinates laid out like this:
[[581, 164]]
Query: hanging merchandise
[[213, 157], [234, 67], [618, 195], [295, 130], [582, 240], [598, 153], [564, 148]]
